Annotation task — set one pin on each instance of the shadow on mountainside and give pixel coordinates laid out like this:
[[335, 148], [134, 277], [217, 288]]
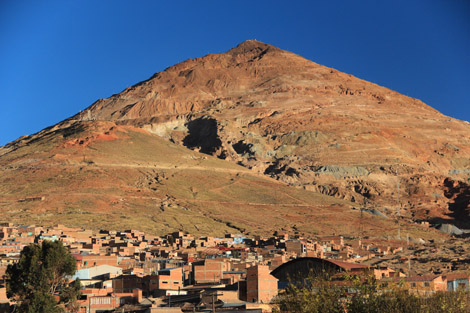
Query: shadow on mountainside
[[458, 194], [202, 134]]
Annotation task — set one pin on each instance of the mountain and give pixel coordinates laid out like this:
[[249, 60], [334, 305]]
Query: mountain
[[102, 175], [328, 140]]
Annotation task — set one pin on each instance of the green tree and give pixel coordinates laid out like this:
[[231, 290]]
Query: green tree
[[370, 297], [315, 294], [355, 294], [40, 277]]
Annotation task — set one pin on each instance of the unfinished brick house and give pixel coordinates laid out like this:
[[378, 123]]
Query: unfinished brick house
[[261, 286], [209, 271], [425, 284], [164, 280], [85, 261]]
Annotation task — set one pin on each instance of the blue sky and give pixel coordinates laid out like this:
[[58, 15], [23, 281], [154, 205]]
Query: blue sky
[[58, 57]]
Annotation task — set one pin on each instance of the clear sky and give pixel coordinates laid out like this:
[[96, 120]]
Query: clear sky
[[58, 57]]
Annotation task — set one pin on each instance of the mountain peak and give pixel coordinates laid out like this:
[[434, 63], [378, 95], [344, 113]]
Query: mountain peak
[[272, 111], [252, 45]]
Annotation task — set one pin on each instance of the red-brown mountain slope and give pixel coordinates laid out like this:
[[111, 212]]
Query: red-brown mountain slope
[[279, 114], [303, 123], [103, 175]]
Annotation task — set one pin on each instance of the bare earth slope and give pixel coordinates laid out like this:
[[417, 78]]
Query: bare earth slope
[[309, 126], [103, 175]]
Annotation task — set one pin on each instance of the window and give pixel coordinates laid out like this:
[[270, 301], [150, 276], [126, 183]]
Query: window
[[413, 285], [426, 284]]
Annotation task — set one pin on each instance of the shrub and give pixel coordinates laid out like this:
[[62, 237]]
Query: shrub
[[363, 295]]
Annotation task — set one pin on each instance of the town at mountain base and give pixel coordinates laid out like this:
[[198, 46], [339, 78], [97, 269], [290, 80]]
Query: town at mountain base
[[132, 271]]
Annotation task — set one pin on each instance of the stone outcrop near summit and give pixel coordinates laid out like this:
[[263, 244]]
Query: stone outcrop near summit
[[308, 125]]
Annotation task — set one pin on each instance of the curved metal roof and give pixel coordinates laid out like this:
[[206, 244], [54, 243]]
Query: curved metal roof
[[305, 266]]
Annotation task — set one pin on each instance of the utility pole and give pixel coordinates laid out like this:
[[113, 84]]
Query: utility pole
[[213, 295], [361, 219], [398, 204], [213, 303], [409, 265]]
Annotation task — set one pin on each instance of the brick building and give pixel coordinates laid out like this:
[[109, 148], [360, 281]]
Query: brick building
[[209, 271], [261, 286], [85, 261]]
